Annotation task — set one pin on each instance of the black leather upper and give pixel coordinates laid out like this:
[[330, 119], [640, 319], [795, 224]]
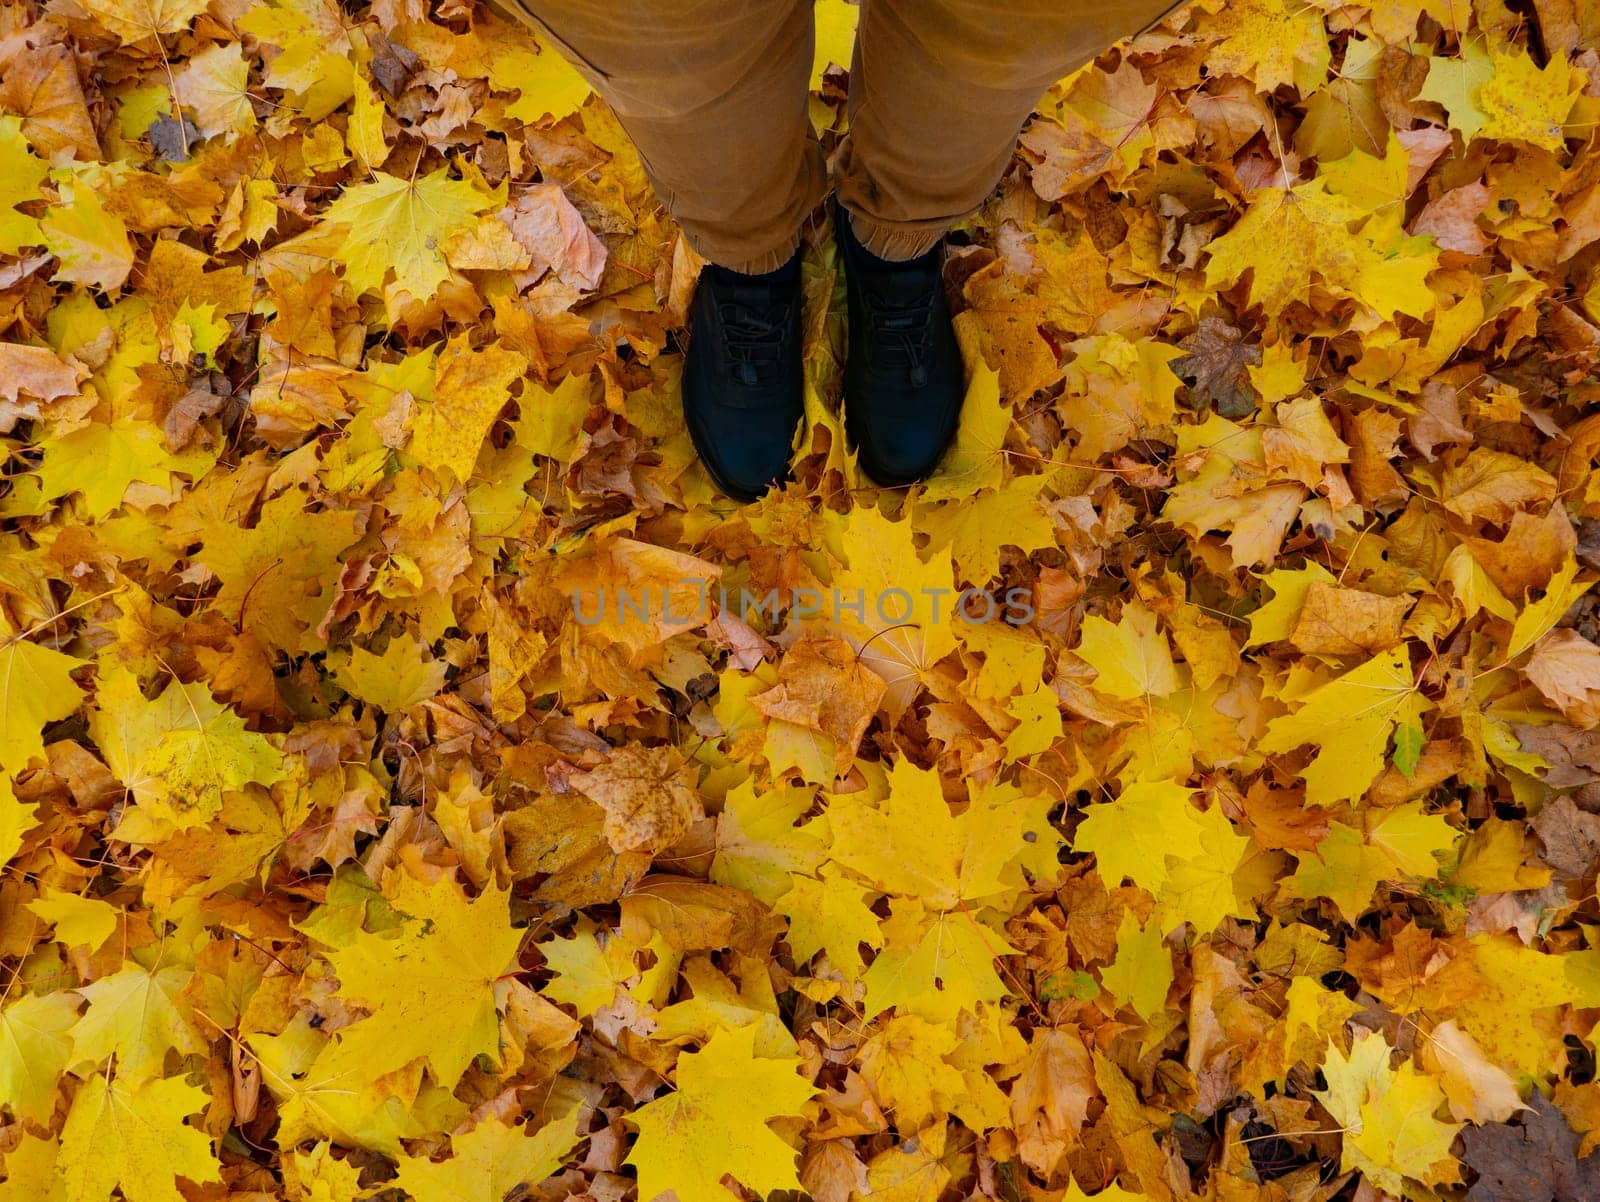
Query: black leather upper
[[903, 380], [743, 380]]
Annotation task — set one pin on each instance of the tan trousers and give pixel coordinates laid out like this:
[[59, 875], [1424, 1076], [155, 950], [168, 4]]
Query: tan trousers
[[714, 95]]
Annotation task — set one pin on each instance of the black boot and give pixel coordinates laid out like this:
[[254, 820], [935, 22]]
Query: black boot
[[903, 381], [743, 383]]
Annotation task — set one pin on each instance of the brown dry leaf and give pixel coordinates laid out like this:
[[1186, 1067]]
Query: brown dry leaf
[[1050, 1099], [1218, 368], [694, 916], [1566, 668], [1452, 219], [637, 594], [1532, 551], [832, 1172], [1439, 423], [547, 225], [40, 82], [823, 685], [648, 797], [1304, 444], [1570, 836], [1573, 755], [1374, 436], [1493, 486], [1344, 621], [1536, 1157]]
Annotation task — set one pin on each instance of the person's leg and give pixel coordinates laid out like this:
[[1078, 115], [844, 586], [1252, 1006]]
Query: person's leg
[[939, 91], [713, 94]]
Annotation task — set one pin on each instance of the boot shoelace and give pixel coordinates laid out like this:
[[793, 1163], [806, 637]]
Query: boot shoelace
[[906, 328], [756, 336]]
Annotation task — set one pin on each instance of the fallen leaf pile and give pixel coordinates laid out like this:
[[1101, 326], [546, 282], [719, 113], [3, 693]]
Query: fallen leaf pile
[[416, 781]]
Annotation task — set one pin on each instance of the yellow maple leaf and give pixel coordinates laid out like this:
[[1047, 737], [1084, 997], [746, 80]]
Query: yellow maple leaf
[[134, 1015], [1038, 726], [322, 1176], [16, 819], [913, 845], [21, 173], [401, 225], [90, 241], [1132, 657], [1142, 972], [470, 388], [904, 1065], [977, 527], [910, 1170], [1494, 92], [328, 1088], [1152, 835], [1539, 617], [758, 844], [1350, 719], [720, 1003], [79, 921], [831, 914], [587, 973], [1511, 999], [1290, 587], [906, 621], [1390, 1132], [1204, 887], [1118, 390], [715, 1122], [430, 985], [1272, 42], [365, 134], [102, 460], [1336, 245], [130, 1133], [214, 90], [1403, 844], [136, 20], [1220, 489], [550, 87], [488, 1162], [315, 59], [274, 572], [636, 593], [1492, 486], [1344, 114], [181, 753], [551, 419], [35, 1046], [396, 680], [935, 963], [36, 688], [31, 1170], [1303, 443], [976, 459]]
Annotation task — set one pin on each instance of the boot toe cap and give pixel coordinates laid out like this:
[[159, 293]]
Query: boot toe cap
[[744, 468], [745, 451], [901, 453]]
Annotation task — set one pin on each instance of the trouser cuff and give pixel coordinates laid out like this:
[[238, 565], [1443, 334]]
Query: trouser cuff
[[767, 261], [898, 240]]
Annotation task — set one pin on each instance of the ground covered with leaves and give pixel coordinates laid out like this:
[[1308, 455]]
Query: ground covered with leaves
[[357, 845]]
